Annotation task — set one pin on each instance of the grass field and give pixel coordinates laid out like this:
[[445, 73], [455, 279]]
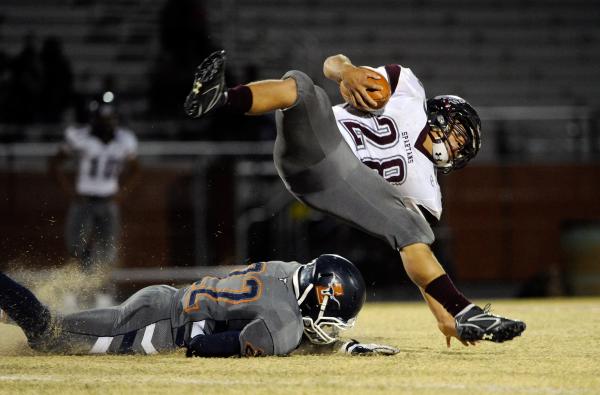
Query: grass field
[[558, 354]]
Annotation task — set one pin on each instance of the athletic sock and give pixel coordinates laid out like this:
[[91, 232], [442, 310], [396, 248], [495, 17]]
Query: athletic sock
[[239, 99], [23, 307], [443, 290]]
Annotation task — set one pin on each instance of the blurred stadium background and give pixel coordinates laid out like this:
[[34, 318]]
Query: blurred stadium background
[[522, 220]]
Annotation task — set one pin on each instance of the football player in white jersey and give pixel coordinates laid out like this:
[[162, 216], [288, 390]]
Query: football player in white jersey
[[106, 167], [372, 169], [390, 141]]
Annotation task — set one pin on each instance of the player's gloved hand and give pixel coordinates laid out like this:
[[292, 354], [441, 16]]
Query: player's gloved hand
[[353, 347]]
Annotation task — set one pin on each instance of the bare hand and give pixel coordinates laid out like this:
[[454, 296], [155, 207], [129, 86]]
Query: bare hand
[[354, 84], [448, 329]]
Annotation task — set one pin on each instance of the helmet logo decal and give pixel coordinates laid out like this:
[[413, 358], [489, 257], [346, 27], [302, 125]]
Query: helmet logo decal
[[332, 293], [333, 290]]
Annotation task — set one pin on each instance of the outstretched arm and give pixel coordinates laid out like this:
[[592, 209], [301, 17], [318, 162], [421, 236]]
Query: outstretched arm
[[354, 81], [423, 268], [445, 321], [351, 347]]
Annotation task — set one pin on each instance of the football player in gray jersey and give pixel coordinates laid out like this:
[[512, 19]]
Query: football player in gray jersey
[[320, 169], [265, 309]]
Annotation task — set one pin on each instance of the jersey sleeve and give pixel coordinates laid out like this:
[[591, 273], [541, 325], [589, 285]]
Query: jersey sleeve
[[403, 82], [74, 139], [409, 84], [131, 144], [256, 340]]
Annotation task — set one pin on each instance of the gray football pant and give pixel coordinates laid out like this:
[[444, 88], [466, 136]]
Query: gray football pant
[[141, 324], [319, 169]]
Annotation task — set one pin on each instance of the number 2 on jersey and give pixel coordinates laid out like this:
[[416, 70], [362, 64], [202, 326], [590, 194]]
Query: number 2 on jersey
[[250, 290], [392, 169]]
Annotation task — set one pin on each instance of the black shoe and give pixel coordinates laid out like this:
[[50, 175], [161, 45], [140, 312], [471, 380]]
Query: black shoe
[[478, 324], [209, 86]]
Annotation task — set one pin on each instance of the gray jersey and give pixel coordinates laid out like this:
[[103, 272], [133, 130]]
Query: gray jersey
[[259, 300]]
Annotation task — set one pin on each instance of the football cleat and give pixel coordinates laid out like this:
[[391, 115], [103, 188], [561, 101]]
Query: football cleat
[[479, 324], [208, 87]]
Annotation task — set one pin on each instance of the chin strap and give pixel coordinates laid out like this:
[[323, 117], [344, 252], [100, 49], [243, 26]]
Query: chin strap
[[440, 155], [296, 284]]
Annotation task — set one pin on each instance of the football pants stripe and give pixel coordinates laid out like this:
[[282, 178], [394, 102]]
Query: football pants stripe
[[147, 340], [101, 345]]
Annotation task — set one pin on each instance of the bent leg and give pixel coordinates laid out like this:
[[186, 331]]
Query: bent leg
[[208, 92], [141, 324], [271, 95], [426, 272]]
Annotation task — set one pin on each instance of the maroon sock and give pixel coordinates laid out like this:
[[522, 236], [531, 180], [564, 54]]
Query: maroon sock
[[443, 290], [239, 99]]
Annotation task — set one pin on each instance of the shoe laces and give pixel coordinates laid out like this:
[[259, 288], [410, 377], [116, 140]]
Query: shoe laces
[[487, 309]]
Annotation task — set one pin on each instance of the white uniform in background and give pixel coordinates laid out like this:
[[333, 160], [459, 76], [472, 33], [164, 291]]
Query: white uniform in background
[[99, 163], [93, 221], [390, 142]]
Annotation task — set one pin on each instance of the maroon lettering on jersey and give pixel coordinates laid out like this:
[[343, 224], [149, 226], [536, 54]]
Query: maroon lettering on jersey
[[386, 133], [393, 169]]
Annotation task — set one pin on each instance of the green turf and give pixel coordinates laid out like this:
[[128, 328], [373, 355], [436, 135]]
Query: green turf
[[558, 354]]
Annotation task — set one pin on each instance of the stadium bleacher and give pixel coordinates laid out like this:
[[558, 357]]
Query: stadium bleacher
[[540, 52]]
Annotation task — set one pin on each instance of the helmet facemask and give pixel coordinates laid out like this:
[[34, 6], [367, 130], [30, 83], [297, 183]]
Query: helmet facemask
[[324, 329], [324, 304], [454, 129]]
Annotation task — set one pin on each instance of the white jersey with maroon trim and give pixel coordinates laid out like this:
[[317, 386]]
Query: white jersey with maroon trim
[[99, 163], [391, 141]]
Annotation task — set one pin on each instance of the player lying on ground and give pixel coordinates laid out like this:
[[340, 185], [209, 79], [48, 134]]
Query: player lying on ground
[[263, 309], [326, 157]]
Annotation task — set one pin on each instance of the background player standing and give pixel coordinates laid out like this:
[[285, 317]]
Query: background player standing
[[263, 309], [404, 142], [106, 168]]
